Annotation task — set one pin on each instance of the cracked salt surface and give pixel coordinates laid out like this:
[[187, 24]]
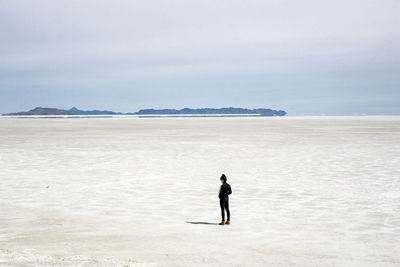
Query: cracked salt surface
[[112, 192]]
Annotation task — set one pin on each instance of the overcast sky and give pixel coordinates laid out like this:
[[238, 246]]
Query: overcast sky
[[310, 57]]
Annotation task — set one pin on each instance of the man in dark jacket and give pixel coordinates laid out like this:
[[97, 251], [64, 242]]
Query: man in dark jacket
[[224, 192]]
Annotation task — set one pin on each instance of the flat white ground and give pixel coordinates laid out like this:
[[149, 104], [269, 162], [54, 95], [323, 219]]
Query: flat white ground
[[316, 191]]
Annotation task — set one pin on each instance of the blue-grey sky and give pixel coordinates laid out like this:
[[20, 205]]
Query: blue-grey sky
[[309, 57]]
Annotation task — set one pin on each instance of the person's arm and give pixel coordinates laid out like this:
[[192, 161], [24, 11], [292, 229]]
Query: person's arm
[[229, 190]]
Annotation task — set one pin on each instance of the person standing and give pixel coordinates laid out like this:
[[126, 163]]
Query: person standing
[[224, 192]]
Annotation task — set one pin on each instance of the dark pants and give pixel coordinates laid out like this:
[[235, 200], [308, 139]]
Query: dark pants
[[224, 204]]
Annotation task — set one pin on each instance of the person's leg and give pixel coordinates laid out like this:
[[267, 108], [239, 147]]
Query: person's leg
[[228, 213], [222, 205]]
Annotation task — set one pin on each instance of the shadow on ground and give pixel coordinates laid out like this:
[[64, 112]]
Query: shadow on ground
[[208, 223]]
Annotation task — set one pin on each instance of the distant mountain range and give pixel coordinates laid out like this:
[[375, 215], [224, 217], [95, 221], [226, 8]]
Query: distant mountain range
[[207, 111], [185, 111]]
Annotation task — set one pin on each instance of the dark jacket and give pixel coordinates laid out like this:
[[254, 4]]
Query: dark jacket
[[224, 191]]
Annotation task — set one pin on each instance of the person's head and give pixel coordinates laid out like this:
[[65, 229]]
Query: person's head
[[223, 178]]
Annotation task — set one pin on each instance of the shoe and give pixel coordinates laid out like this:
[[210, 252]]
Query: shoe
[[222, 223], [228, 222]]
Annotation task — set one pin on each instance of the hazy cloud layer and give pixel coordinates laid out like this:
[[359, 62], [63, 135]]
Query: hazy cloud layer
[[307, 57]]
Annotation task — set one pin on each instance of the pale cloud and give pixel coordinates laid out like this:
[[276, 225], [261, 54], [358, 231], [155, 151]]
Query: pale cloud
[[100, 45]]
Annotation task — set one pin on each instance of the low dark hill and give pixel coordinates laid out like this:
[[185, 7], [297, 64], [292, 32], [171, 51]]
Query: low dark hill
[[42, 111], [76, 111]]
